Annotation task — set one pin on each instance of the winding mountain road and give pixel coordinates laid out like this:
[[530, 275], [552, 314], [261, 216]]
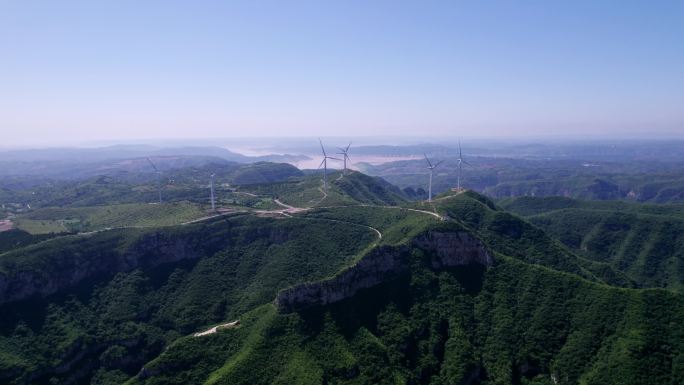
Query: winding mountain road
[[288, 211], [349, 223], [325, 194]]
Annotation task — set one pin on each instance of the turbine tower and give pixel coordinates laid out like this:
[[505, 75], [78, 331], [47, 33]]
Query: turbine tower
[[213, 205], [156, 171], [460, 161], [324, 163], [431, 167], [345, 155]]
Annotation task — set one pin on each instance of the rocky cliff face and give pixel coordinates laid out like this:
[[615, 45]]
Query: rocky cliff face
[[151, 250], [450, 249], [446, 249], [59, 266]]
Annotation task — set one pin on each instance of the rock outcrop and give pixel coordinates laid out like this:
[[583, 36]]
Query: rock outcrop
[[74, 264], [450, 249], [47, 268], [445, 249]]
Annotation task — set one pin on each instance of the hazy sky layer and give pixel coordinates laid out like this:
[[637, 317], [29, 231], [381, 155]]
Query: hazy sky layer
[[73, 71]]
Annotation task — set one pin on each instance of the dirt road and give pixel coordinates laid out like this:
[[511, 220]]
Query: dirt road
[[229, 325]]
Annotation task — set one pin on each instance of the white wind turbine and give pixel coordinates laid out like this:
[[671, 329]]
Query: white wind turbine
[[324, 163], [431, 167], [156, 171], [460, 161], [213, 205], [345, 155]]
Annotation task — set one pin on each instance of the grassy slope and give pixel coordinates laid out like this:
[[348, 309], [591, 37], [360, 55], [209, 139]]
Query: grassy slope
[[350, 189], [354, 188], [302, 192], [644, 241], [99, 217], [395, 224], [41, 226], [368, 189]]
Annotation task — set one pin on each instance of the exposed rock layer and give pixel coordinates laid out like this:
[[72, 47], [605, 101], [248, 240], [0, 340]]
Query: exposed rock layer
[[70, 269], [446, 249]]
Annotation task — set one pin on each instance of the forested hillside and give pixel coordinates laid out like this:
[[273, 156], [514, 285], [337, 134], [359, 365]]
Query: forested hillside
[[526, 319], [646, 242], [351, 285], [101, 310]]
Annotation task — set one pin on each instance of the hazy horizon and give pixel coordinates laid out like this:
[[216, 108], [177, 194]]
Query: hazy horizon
[[255, 146], [78, 72]]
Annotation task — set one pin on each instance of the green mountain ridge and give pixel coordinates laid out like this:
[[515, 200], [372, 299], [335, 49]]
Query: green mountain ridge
[[420, 303], [511, 323], [644, 241], [512, 236], [82, 303], [343, 189], [186, 277], [514, 322]]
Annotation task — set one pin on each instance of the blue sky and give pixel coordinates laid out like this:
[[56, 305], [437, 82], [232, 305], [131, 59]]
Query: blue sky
[[90, 70]]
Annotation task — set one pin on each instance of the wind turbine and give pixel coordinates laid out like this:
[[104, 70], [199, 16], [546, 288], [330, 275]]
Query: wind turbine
[[460, 161], [324, 163], [156, 171], [431, 167], [345, 155], [213, 205]]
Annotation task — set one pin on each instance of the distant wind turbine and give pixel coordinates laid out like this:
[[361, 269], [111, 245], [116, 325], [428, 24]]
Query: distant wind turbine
[[460, 161], [324, 163], [345, 155], [156, 171], [213, 205], [431, 167]]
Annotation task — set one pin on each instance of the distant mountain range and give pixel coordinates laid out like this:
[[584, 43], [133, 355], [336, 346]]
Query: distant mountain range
[[72, 163]]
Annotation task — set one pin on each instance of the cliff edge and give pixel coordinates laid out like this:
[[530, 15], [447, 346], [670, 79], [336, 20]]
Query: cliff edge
[[445, 249]]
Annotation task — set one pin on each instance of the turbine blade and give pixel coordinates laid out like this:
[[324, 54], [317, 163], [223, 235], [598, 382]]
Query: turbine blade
[[322, 149], [330, 157], [428, 161], [347, 149], [438, 163], [153, 166], [460, 154], [467, 163], [321, 165]]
